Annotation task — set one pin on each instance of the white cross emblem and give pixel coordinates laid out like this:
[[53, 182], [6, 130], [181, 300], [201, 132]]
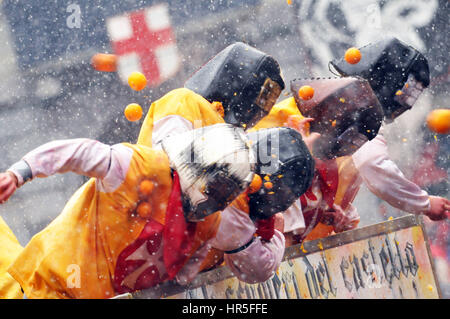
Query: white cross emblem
[[154, 259]]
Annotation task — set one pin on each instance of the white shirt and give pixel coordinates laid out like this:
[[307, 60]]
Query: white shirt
[[385, 180]]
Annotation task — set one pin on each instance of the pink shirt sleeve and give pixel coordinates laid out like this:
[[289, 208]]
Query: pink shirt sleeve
[[256, 263], [82, 156], [259, 261], [385, 180]]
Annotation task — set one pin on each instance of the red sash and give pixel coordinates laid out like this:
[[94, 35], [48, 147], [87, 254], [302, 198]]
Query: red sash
[[328, 178], [159, 252]]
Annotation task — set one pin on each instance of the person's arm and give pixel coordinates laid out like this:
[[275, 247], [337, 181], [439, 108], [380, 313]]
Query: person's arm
[[385, 180], [81, 156], [251, 259], [341, 220]]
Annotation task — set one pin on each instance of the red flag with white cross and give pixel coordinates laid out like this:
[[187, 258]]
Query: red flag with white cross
[[144, 41]]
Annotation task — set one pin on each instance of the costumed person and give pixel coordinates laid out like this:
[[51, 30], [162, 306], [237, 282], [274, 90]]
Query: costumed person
[[10, 248], [398, 74], [284, 170], [142, 217], [343, 128], [389, 66], [237, 86]]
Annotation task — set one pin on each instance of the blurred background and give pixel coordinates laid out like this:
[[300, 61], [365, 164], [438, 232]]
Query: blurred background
[[49, 90]]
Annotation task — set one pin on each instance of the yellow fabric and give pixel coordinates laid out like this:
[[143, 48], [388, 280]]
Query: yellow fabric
[[90, 233], [349, 182], [278, 115], [9, 250], [197, 110], [182, 102], [241, 203]]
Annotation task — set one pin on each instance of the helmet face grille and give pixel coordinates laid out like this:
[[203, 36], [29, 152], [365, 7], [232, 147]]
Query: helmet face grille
[[214, 164], [346, 112], [290, 172], [389, 65], [245, 80]]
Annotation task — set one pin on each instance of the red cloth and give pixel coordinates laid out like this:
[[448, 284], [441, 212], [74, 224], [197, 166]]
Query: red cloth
[[159, 252], [265, 228], [329, 179], [178, 234]]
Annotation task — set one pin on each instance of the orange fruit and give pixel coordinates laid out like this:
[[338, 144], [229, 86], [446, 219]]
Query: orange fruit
[[146, 188], [352, 55], [438, 121], [255, 185], [133, 112], [306, 92], [137, 81], [144, 210], [268, 185], [104, 62]]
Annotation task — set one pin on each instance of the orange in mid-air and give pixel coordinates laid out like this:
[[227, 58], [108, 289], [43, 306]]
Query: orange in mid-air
[[133, 112], [146, 187], [255, 185], [104, 62], [144, 210], [352, 55], [137, 81], [438, 121], [306, 92]]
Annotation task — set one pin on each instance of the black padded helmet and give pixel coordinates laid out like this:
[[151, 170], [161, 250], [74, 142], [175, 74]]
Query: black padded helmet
[[245, 80], [396, 72], [283, 160]]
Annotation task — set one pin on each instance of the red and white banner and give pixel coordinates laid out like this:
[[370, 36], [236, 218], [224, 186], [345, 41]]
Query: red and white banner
[[144, 41]]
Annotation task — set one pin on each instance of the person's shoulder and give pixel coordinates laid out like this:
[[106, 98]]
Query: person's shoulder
[[183, 93], [145, 153], [286, 103], [135, 147], [286, 107], [180, 100]]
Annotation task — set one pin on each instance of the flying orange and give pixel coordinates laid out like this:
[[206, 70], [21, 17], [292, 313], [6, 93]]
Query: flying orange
[[352, 55], [133, 112], [137, 81], [104, 62], [306, 92], [438, 121]]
